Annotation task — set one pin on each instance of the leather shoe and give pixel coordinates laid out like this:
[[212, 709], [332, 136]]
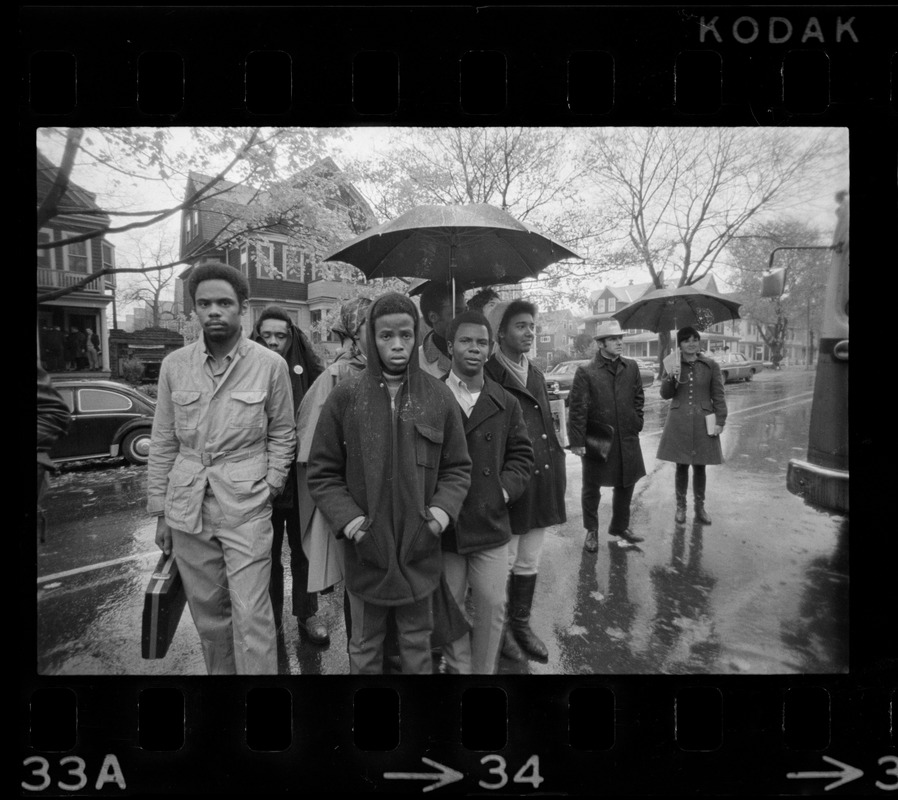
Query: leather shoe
[[591, 545], [628, 536], [314, 630]]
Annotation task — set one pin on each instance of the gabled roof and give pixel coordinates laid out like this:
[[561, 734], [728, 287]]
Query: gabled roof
[[625, 294], [74, 198]]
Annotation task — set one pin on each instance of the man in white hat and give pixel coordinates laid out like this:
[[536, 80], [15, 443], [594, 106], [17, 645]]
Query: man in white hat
[[604, 421]]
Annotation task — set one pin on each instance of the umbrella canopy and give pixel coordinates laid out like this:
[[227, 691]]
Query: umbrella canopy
[[474, 245], [670, 309]]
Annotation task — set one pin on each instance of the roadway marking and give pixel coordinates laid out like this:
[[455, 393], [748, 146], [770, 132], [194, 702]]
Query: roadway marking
[[804, 397], [90, 568]]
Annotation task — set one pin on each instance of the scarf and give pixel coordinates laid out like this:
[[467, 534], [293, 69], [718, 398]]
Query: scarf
[[518, 370]]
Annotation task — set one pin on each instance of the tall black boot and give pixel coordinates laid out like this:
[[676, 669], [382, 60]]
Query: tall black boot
[[510, 648], [698, 489], [680, 516], [522, 588]]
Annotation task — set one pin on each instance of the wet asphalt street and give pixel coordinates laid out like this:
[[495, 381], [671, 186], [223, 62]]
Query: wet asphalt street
[[762, 590]]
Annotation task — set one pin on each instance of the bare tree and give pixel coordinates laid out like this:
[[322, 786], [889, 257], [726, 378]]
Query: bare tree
[[535, 174], [681, 195], [151, 284], [801, 304]]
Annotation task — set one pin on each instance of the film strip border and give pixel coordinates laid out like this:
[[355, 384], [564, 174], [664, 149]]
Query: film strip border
[[572, 66], [576, 65], [619, 736]]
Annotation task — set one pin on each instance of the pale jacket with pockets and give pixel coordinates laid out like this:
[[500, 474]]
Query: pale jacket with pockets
[[238, 437]]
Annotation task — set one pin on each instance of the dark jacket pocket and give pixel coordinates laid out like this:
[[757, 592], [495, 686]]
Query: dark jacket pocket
[[424, 543], [428, 445], [367, 547]]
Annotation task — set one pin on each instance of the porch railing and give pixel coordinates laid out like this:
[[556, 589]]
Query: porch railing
[[59, 279]]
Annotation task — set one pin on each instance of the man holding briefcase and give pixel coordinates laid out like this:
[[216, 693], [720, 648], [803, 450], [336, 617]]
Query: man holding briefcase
[[604, 421]]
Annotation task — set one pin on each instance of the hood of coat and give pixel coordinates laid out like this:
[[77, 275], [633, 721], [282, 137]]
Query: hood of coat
[[396, 303], [304, 366]]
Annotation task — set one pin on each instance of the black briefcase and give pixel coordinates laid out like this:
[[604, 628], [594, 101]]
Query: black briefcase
[[163, 604]]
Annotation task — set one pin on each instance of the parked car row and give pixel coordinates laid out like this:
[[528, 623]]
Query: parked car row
[[561, 377], [109, 419]]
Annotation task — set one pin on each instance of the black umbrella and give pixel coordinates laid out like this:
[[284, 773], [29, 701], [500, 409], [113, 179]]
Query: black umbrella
[[671, 309], [466, 245]]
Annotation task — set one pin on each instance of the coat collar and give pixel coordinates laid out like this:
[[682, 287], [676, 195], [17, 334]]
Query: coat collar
[[490, 403], [508, 381]]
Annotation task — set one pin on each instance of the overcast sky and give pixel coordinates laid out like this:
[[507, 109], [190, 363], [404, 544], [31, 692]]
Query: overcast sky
[[366, 143]]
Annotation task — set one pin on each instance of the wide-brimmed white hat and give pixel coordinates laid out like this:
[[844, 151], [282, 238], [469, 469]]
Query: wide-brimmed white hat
[[610, 327]]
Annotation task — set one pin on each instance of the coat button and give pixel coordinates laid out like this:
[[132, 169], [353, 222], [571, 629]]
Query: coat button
[[536, 406], [489, 437], [487, 471], [547, 466], [536, 472], [545, 436]]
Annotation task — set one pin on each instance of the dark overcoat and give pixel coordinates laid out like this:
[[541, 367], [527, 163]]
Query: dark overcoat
[[304, 368], [389, 461], [610, 392], [542, 503], [501, 458], [698, 392]]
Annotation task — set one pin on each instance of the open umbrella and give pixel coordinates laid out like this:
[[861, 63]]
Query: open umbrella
[[671, 309], [465, 245]]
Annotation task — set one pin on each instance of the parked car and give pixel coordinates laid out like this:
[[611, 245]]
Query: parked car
[[561, 377], [736, 367], [109, 419]]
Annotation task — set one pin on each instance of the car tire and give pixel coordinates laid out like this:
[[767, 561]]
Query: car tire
[[751, 374], [136, 446]]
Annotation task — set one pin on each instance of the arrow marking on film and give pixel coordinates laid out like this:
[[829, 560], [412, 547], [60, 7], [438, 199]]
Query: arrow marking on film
[[444, 777], [845, 774]]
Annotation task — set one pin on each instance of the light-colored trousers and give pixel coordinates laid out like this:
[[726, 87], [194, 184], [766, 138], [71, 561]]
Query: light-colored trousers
[[486, 572], [226, 571], [524, 551]]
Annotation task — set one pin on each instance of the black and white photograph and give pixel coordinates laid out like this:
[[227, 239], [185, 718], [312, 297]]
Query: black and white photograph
[[442, 400]]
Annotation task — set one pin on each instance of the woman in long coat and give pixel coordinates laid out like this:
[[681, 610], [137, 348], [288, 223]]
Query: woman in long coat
[[695, 389]]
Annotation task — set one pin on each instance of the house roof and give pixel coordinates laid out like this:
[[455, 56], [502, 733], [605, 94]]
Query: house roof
[[75, 197], [626, 294]]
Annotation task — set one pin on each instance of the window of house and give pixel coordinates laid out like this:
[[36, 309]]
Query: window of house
[[244, 260], [108, 252], [77, 256], [612, 303], [545, 339], [44, 257], [600, 306]]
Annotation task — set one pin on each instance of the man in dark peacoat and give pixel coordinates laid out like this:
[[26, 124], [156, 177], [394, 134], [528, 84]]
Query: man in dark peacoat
[[475, 549], [542, 504], [608, 392]]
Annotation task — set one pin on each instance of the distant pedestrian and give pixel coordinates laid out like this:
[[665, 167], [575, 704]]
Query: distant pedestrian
[[542, 503], [606, 409], [56, 350], [92, 341], [695, 390]]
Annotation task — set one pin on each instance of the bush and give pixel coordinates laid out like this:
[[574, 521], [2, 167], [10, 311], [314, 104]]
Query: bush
[[132, 370]]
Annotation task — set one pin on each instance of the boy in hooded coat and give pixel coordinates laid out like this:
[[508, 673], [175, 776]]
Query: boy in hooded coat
[[389, 469]]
